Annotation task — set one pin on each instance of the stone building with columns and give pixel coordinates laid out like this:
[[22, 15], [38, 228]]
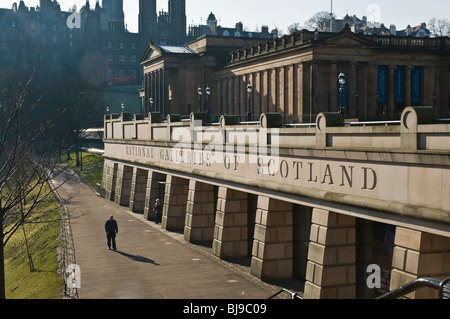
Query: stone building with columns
[[341, 210], [297, 76]]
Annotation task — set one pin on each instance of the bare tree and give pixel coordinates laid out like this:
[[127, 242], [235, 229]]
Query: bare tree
[[25, 167], [319, 21], [294, 27], [439, 27]]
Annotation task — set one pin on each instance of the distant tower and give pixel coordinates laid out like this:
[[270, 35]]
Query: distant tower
[[116, 17], [148, 21], [177, 16]]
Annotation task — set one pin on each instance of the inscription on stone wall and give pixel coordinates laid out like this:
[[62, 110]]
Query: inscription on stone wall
[[307, 172]]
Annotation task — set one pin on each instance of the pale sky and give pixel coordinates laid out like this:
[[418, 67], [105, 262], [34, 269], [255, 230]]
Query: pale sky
[[280, 14]]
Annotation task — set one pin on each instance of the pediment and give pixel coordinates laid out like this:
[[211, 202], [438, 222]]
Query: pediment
[[152, 52], [348, 39]]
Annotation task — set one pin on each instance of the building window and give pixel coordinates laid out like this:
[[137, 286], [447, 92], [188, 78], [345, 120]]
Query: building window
[[121, 45], [121, 58], [110, 72], [134, 73], [121, 72], [110, 57], [133, 46], [133, 58], [109, 45]]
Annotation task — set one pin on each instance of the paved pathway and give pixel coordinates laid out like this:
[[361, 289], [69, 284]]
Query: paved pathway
[[150, 263]]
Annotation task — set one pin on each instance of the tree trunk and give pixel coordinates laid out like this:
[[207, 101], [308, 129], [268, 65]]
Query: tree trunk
[[2, 266]]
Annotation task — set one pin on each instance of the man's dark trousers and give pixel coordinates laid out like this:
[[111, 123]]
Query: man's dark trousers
[[111, 239]]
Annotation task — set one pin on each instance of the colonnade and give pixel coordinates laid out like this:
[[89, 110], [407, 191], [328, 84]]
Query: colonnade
[[302, 89], [283, 239]]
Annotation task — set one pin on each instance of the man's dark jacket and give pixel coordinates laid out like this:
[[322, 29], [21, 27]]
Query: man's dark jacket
[[111, 227]]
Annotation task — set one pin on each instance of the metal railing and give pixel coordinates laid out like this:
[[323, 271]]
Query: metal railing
[[443, 287], [294, 295]]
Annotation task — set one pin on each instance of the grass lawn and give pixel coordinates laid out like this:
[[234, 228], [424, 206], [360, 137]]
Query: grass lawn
[[46, 281], [92, 167]]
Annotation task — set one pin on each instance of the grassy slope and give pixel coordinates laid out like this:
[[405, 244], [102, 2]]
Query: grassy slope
[[45, 282]]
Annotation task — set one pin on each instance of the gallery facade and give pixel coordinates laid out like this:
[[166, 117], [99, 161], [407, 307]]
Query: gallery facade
[[298, 76]]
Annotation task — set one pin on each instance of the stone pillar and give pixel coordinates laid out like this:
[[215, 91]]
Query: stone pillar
[[273, 91], [334, 94], [230, 231], [200, 213], [109, 179], [123, 185], [391, 92], [301, 93], [408, 77], [416, 255], [273, 240], [175, 199], [138, 188], [331, 268], [152, 193]]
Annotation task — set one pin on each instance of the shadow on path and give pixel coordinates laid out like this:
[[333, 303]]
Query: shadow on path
[[138, 258]]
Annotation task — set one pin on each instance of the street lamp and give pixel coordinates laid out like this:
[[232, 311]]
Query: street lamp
[[208, 93], [123, 107], [150, 100], [249, 94], [200, 93], [342, 80]]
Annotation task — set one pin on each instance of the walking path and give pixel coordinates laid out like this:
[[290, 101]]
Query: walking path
[[150, 262]]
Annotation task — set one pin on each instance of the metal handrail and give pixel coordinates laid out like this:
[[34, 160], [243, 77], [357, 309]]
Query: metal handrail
[[294, 295], [414, 285]]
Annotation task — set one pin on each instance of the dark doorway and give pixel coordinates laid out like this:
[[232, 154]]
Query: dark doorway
[[302, 216]]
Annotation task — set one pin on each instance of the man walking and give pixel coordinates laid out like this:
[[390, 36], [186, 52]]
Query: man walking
[[111, 229]]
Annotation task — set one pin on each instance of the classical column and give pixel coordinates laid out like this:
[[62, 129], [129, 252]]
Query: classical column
[[372, 90], [138, 189], [123, 185], [416, 255], [391, 92], [352, 88], [331, 268], [281, 90], [301, 93], [333, 88], [290, 88], [230, 230], [200, 213], [257, 95], [273, 91], [236, 94], [175, 199], [408, 83], [265, 89], [272, 245]]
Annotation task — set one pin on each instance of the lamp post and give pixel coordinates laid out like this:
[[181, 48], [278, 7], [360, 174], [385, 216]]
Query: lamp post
[[249, 95], [342, 80], [200, 94], [150, 100], [208, 93], [123, 107]]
